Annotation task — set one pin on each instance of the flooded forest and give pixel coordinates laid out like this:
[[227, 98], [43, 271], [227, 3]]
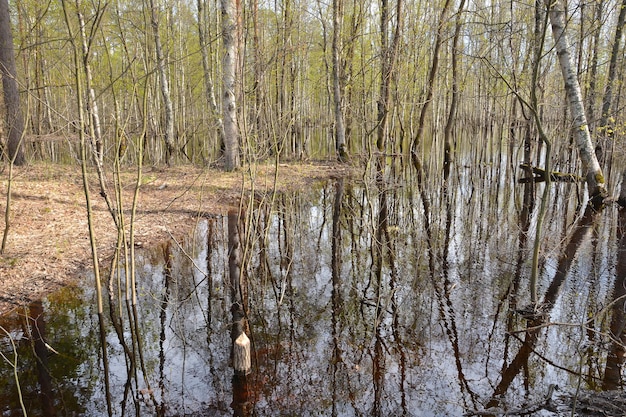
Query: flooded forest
[[468, 259]]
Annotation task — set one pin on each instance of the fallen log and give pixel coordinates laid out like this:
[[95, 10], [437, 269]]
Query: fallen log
[[539, 175]]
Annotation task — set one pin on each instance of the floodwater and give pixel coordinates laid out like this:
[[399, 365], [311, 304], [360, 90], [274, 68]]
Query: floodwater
[[365, 297]]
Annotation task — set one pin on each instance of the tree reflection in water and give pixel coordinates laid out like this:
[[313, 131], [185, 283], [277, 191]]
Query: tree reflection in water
[[396, 296]]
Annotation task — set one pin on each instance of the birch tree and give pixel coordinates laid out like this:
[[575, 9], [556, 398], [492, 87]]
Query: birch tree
[[230, 13], [340, 129], [591, 167]]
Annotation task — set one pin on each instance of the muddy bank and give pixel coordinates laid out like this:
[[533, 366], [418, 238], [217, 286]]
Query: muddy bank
[[48, 244]]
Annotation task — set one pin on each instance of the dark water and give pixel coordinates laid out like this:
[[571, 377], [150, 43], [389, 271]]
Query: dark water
[[362, 301]]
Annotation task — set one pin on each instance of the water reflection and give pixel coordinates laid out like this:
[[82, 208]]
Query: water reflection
[[398, 296], [617, 353]]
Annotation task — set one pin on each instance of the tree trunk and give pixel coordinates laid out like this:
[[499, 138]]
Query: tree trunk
[[608, 92], [36, 323], [209, 90], [257, 85], [240, 353], [340, 129], [430, 85], [591, 94], [447, 147], [165, 86], [95, 131], [14, 118], [230, 11], [388, 54], [591, 167], [617, 353]]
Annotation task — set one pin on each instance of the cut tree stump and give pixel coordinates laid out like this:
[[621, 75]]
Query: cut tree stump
[[241, 355]]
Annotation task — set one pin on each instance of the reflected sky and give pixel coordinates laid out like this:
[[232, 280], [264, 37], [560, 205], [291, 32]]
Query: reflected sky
[[351, 312]]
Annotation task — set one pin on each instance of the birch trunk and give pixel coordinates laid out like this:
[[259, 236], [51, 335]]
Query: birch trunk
[[591, 167], [229, 64], [340, 129]]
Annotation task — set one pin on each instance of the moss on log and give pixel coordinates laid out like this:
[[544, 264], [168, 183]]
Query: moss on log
[[539, 175]]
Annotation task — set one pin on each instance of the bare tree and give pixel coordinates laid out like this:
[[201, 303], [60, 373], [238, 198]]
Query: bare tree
[[14, 118], [230, 21], [612, 75], [389, 53], [209, 89], [95, 130], [340, 129], [591, 92], [454, 101], [165, 86], [430, 86]]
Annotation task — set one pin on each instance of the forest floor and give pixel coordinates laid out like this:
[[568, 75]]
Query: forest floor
[[48, 240]]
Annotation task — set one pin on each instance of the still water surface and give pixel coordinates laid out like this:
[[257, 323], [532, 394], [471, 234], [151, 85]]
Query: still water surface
[[362, 299]]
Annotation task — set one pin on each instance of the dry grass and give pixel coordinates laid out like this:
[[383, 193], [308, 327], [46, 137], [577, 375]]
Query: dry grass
[[48, 244]]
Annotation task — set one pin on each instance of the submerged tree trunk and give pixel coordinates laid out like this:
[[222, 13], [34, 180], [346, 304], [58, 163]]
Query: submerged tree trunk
[[591, 167], [240, 353], [36, 325], [14, 118], [230, 11], [617, 353], [538, 318]]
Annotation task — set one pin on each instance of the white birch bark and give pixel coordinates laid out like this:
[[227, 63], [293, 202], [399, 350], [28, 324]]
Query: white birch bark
[[229, 65], [582, 136], [340, 129]]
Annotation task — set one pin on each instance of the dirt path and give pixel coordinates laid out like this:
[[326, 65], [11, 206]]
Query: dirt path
[[48, 243]]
